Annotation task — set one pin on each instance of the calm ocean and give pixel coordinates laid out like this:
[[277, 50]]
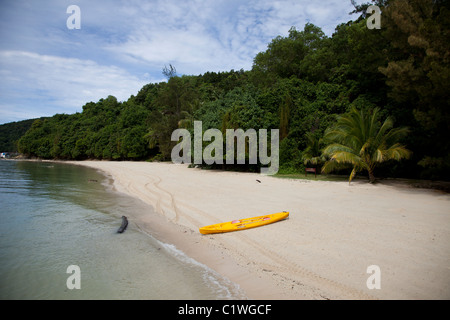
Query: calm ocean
[[53, 215]]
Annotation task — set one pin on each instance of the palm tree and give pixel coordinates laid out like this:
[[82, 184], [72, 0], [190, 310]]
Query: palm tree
[[360, 140], [313, 155]]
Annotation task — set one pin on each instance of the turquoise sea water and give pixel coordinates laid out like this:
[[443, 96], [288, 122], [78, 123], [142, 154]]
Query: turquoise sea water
[[55, 215]]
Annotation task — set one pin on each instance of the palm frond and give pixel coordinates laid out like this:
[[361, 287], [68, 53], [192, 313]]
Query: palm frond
[[396, 152], [381, 135], [348, 157], [331, 149], [396, 134], [353, 174], [332, 165], [361, 140]]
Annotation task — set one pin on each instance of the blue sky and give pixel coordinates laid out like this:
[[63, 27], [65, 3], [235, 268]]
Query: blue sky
[[46, 68]]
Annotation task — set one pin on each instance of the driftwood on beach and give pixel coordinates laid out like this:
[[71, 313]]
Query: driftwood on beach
[[124, 225]]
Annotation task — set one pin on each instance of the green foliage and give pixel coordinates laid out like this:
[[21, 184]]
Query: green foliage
[[107, 129], [291, 56], [303, 84], [10, 133], [361, 141], [418, 69], [313, 156]]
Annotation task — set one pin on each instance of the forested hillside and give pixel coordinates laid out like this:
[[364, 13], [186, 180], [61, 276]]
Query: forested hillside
[[299, 85], [10, 133]]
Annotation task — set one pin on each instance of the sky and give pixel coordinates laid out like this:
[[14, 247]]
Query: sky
[[48, 68]]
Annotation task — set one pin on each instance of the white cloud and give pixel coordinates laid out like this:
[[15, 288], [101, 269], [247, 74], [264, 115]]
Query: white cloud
[[54, 84], [46, 68], [199, 36], [13, 113], [189, 34]]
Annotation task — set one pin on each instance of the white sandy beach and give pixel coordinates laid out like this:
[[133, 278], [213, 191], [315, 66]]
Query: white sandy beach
[[334, 233]]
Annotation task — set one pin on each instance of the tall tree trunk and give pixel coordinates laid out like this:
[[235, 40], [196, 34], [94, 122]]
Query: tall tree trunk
[[371, 175]]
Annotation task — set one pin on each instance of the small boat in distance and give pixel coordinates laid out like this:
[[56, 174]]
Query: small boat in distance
[[242, 224]]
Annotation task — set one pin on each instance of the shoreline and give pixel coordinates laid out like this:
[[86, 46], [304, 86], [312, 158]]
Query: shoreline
[[334, 233], [191, 243]]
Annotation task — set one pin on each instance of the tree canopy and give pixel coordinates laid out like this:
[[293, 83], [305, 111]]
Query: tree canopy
[[360, 140], [303, 84]]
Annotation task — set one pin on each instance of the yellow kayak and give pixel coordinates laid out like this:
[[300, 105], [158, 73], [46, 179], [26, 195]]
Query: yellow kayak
[[247, 223]]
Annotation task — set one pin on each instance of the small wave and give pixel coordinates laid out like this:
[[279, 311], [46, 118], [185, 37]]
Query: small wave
[[224, 288]]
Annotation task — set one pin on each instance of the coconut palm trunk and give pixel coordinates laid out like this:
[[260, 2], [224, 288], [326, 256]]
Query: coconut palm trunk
[[371, 176]]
